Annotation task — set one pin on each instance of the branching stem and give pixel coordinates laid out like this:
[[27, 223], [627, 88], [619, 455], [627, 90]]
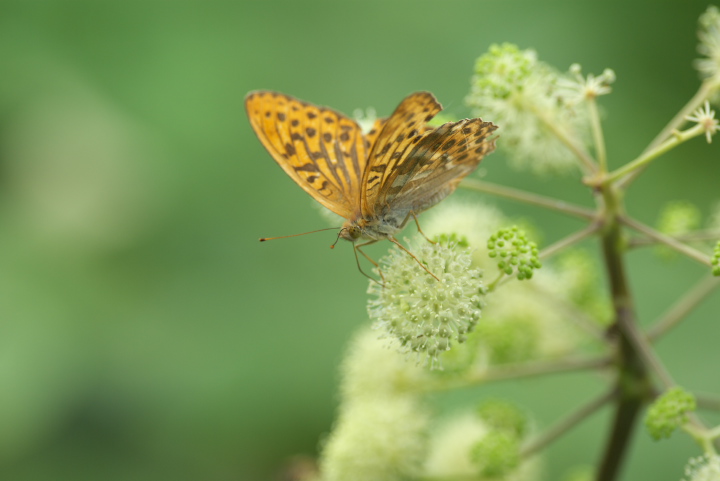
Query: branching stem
[[597, 134], [564, 425], [586, 160], [706, 88], [647, 157], [683, 307], [529, 198], [523, 370], [565, 242], [667, 240]]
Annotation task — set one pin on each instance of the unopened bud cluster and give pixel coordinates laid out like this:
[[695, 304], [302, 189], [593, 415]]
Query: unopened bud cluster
[[498, 453], [669, 412], [515, 253], [715, 261]]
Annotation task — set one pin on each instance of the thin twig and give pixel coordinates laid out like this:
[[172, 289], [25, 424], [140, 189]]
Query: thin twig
[[523, 370], [700, 96], [683, 307], [528, 198], [573, 238], [597, 133], [706, 88], [667, 240], [708, 402], [585, 159], [577, 316], [564, 425], [696, 236], [646, 157]]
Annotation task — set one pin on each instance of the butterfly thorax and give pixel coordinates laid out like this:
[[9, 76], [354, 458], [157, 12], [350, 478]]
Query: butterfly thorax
[[375, 228]]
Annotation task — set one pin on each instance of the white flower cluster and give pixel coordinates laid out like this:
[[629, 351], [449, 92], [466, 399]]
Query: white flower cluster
[[703, 468], [709, 35], [538, 109], [425, 315]]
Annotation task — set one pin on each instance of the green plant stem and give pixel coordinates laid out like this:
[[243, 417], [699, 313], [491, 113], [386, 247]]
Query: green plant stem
[[703, 93], [667, 240], [707, 401], [632, 381], [700, 96], [597, 134], [564, 425], [522, 370], [683, 307], [646, 352], [573, 312], [494, 284], [714, 433], [696, 236], [565, 242], [585, 159], [528, 198], [647, 157]]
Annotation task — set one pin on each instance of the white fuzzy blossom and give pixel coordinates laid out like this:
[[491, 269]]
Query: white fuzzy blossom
[[709, 35], [382, 424], [379, 439], [520, 321], [425, 315], [703, 468], [451, 446], [522, 95]]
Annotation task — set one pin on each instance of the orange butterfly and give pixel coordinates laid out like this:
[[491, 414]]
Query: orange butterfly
[[379, 180]]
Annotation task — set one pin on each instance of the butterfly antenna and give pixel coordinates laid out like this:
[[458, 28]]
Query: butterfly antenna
[[338, 238], [263, 239]]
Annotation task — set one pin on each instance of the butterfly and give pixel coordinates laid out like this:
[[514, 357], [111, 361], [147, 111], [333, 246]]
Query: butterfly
[[377, 181]]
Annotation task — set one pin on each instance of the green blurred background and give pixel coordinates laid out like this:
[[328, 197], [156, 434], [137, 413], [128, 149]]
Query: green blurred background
[[145, 334]]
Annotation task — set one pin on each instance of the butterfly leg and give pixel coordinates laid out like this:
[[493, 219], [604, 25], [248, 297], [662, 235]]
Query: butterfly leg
[[356, 249], [394, 241], [420, 230]]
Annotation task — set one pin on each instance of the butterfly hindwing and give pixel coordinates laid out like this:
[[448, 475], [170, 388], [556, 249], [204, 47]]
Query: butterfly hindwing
[[322, 150], [430, 169], [403, 129]]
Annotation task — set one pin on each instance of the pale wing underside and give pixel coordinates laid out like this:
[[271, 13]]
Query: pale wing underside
[[322, 150]]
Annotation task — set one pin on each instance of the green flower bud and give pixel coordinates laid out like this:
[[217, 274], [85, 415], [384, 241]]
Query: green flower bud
[[668, 412]]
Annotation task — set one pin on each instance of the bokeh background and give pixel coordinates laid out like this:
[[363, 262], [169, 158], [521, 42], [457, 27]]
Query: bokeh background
[[145, 334]]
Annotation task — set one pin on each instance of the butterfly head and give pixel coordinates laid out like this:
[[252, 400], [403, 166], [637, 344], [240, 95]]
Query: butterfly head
[[351, 231]]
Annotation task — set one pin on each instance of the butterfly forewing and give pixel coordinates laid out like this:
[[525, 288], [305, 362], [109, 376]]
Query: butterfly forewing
[[403, 128], [372, 135], [322, 150]]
